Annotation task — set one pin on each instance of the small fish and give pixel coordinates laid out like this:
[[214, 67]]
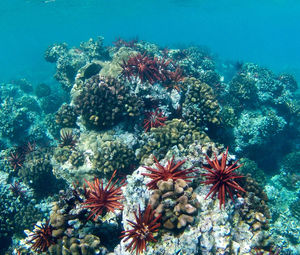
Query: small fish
[[177, 252]]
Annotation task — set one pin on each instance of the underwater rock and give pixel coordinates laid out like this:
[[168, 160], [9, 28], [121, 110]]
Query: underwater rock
[[42, 90]]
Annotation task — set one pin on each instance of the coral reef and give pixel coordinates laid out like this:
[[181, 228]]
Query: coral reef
[[69, 61], [200, 106], [18, 210], [42, 90], [256, 130], [36, 172], [112, 155], [142, 230], [139, 114], [66, 116]]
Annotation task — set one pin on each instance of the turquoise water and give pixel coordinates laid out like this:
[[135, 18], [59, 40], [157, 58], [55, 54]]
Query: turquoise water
[[264, 32], [208, 86]]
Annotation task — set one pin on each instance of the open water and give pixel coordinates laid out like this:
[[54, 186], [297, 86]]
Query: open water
[[221, 74], [262, 31]]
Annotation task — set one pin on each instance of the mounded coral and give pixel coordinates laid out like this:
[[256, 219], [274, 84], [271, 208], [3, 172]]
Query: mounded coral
[[69, 61], [291, 162], [20, 116], [66, 116], [17, 213], [113, 155], [103, 102], [37, 172], [200, 107], [244, 90], [295, 209], [95, 154], [42, 90], [256, 129], [53, 52], [159, 140], [95, 49], [250, 167]]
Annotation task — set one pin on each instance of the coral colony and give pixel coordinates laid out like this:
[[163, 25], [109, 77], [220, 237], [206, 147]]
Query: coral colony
[[133, 160]]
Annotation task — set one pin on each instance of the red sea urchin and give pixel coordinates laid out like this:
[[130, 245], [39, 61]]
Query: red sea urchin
[[142, 66], [171, 171], [16, 160], [142, 230], [154, 119], [102, 199], [41, 238], [222, 178]]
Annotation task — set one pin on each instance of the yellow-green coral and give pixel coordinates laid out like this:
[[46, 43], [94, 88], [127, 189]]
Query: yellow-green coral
[[200, 107], [159, 140], [62, 154], [112, 155]]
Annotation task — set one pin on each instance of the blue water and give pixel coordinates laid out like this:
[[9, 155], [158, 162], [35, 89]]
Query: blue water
[[264, 32]]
